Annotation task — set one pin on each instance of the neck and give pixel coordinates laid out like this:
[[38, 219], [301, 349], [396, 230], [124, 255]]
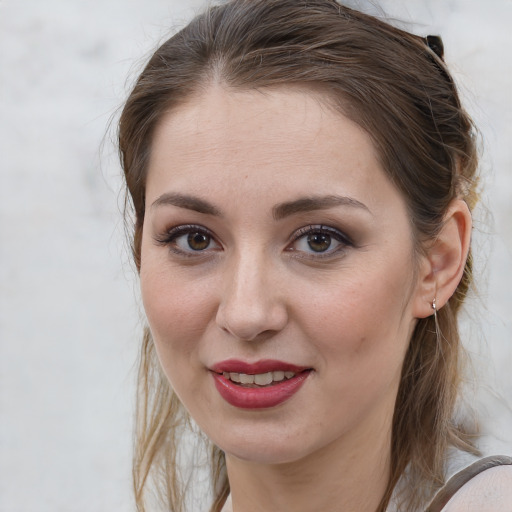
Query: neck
[[348, 475]]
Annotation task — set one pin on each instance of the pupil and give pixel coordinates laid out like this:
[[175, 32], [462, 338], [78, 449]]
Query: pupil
[[319, 242], [198, 241]]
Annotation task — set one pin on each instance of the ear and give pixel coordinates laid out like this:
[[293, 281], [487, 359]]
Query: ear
[[442, 265]]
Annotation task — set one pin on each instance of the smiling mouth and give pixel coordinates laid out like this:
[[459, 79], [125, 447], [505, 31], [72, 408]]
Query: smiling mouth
[[260, 385], [259, 380]]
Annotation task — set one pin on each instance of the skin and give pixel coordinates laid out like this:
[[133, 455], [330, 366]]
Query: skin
[[490, 491], [257, 290]]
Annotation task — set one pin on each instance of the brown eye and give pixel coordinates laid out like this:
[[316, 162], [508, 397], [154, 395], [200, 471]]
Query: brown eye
[[198, 241], [189, 240], [319, 242]]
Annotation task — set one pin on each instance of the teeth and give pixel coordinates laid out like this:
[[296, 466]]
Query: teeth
[[277, 376], [260, 379], [246, 379], [235, 377], [263, 379]]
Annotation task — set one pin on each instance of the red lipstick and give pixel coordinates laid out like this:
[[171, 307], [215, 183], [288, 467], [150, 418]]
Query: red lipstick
[[253, 396]]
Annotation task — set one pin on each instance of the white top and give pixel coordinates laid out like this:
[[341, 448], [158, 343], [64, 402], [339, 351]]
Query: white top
[[228, 506]]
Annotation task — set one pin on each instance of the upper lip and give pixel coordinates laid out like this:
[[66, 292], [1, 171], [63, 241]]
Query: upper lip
[[261, 366]]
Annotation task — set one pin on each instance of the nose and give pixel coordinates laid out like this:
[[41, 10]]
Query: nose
[[252, 306]]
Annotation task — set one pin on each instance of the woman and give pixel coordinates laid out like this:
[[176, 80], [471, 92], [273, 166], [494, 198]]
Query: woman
[[302, 177]]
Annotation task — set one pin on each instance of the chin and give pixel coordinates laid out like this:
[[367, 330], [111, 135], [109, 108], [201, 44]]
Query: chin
[[259, 446], [265, 453]]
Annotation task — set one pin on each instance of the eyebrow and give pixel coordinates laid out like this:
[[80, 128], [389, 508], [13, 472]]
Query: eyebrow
[[308, 204], [187, 202], [279, 211]]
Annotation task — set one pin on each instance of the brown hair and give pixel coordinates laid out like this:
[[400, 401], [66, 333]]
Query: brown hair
[[393, 84]]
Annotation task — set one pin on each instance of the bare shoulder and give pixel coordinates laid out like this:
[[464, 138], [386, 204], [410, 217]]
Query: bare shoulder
[[490, 491]]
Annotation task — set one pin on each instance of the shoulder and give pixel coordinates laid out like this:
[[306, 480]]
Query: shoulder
[[489, 491]]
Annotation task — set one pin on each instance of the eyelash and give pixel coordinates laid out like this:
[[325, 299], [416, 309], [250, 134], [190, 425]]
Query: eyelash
[[343, 240], [169, 238]]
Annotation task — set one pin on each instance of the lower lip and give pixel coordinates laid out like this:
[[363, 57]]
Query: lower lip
[[259, 398]]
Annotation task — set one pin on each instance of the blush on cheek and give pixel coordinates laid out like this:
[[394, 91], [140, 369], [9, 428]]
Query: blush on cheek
[[177, 320]]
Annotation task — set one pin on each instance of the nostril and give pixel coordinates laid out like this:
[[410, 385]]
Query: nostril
[[251, 309], [250, 328]]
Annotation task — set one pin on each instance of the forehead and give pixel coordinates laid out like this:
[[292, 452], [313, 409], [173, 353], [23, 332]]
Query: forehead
[[255, 140]]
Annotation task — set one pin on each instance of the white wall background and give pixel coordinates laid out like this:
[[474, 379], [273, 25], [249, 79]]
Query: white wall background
[[69, 321]]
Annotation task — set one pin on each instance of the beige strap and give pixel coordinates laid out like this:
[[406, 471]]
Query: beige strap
[[445, 494]]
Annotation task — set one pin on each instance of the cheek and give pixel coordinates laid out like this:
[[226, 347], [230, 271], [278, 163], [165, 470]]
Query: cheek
[[362, 321], [178, 310], [177, 317], [362, 336]]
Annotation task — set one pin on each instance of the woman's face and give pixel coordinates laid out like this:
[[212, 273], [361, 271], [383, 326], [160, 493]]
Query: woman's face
[[277, 272]]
